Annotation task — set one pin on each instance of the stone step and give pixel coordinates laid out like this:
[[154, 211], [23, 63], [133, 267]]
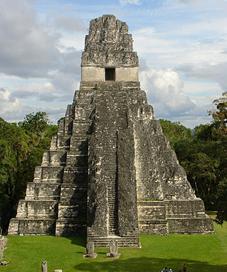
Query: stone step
[[42, 191], [79, 144], [190, 225], [71, 211], [67, 227], [122, 241], [54, 158], [73, 194], [37, 209], [32, 226], [74, 160], [63, 141], [153, 226], [77, 176], [51, 174]]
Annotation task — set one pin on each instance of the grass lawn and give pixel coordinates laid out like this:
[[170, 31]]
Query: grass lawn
[[201, 253]]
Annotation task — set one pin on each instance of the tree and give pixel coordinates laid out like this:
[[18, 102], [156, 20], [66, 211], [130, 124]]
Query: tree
[[203, 132], [220, 115], [21, 149], [222, 200], [201, 170], [219, 127], [175, 132], [202, 153], [35, 122], [13, 150]]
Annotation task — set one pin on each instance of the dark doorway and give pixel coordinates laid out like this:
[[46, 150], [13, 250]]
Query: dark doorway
[[110, 74]]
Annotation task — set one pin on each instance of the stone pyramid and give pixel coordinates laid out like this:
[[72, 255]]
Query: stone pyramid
[[110, 173]]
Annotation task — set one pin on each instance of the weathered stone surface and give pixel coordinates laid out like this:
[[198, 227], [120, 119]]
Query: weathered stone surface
[[108, 44], [44, 266], [113, 249], [90, 250], [110, 172], [25, 225], [4, 263], [3, 242], [112, 184]]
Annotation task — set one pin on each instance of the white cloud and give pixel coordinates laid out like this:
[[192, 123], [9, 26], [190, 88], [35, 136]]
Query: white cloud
[[165, 90], [197, 88], [209, 72], [188, 1], [183, 44], [148, 41], [8, 104], [35, 64], [195, 60], [175, 48], [27, 49], [206, 28], [69, 24], [12, 108], [132, 2]]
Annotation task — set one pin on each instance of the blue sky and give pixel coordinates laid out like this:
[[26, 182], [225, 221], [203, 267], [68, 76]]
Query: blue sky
[[182, 47]]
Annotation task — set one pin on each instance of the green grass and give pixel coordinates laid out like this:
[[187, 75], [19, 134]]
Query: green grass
[[201, 253]]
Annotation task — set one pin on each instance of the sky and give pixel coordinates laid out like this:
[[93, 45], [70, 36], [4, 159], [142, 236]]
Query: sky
[[181, 44]]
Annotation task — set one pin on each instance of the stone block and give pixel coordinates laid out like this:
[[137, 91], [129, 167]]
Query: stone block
[[32, 226], [42, 191], [190, 225], [52, 174], [37, 209], [68, 227]]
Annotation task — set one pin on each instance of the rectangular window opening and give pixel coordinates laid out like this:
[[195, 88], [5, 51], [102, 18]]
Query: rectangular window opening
[[110, 74]]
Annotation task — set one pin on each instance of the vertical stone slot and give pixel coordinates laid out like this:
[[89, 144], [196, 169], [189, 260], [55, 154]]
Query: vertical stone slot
[[113, 198], [116, 189], [110, 74]]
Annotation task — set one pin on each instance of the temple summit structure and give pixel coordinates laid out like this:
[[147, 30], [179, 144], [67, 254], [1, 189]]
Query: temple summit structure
[[110, 172]]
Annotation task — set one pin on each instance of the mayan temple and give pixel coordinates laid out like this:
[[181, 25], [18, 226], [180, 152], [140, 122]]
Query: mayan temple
[[110, 173]]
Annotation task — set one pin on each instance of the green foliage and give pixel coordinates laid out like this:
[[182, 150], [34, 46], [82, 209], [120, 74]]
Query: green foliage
[[201, 170], [220, 115], [203, 155], [21, 149], [35, 122], [175, 131], [203, 132], [222, 200], [14, 149], [203, 253]]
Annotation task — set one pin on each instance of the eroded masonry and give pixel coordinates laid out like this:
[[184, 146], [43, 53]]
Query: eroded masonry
[[110, 172]]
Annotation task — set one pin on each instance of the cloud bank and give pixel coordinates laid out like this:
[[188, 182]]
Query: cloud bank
[[130, 2], [181, 45]]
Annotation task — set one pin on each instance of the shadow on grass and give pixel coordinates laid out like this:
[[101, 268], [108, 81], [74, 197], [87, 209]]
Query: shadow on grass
[[77, 240], [148, 265]]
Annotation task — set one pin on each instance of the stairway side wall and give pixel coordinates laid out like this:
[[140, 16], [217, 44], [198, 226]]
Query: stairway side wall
[[166, 200], [52, 193], [112, 161], [72, 208]]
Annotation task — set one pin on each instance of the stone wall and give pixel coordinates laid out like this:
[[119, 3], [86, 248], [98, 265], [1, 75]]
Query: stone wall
[[3, 241], [55, 201], [94, 74], [112, 187], [173, 216], [108, 44]]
